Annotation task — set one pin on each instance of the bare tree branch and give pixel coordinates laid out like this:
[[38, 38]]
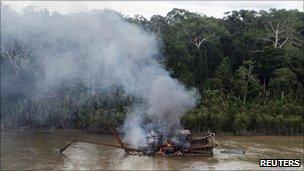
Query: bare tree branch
[[17, 54], [279, 35]]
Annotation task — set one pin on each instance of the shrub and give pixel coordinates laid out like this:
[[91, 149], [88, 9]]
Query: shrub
[[241, 122]]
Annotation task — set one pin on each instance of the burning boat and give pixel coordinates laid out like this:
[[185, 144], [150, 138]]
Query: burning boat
[[181, 143]]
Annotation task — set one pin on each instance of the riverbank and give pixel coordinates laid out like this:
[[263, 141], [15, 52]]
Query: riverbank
[[108, 132]]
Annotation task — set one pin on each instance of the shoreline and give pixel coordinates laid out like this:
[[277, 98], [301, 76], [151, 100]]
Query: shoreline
[[51, 130]]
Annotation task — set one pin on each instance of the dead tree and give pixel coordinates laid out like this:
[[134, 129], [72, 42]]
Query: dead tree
[[17, 54], [195, 39], [280, 34]]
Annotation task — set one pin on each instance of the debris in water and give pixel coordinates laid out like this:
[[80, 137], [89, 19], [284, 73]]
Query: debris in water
[[182, 143], [233, 151]]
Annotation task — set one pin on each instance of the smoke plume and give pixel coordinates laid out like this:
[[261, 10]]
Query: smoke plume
[[101, 49]]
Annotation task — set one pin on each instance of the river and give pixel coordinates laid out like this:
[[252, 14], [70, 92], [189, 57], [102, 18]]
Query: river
[[38, 149]]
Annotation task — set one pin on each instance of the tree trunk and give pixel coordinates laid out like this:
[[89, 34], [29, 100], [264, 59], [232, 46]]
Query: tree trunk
[[244, 98], [276, 38], [264, 86]]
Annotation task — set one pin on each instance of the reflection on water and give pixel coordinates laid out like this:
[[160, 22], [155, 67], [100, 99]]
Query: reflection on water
[[39, 150]]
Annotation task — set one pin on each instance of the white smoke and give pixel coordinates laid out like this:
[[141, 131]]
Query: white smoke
[[102, 49]]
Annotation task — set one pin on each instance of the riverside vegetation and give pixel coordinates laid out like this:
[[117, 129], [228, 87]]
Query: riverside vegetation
[[247, 66]]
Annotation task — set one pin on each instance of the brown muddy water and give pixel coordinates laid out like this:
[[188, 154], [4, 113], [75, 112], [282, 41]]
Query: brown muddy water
[[39, 150]]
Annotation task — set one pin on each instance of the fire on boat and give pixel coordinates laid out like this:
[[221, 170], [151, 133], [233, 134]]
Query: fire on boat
[[181, 143]]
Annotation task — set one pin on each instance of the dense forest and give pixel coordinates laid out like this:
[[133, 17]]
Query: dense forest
[[247, 66]]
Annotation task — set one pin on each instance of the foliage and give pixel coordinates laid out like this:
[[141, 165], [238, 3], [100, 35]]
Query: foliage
[[241, 122], [249, 78]]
